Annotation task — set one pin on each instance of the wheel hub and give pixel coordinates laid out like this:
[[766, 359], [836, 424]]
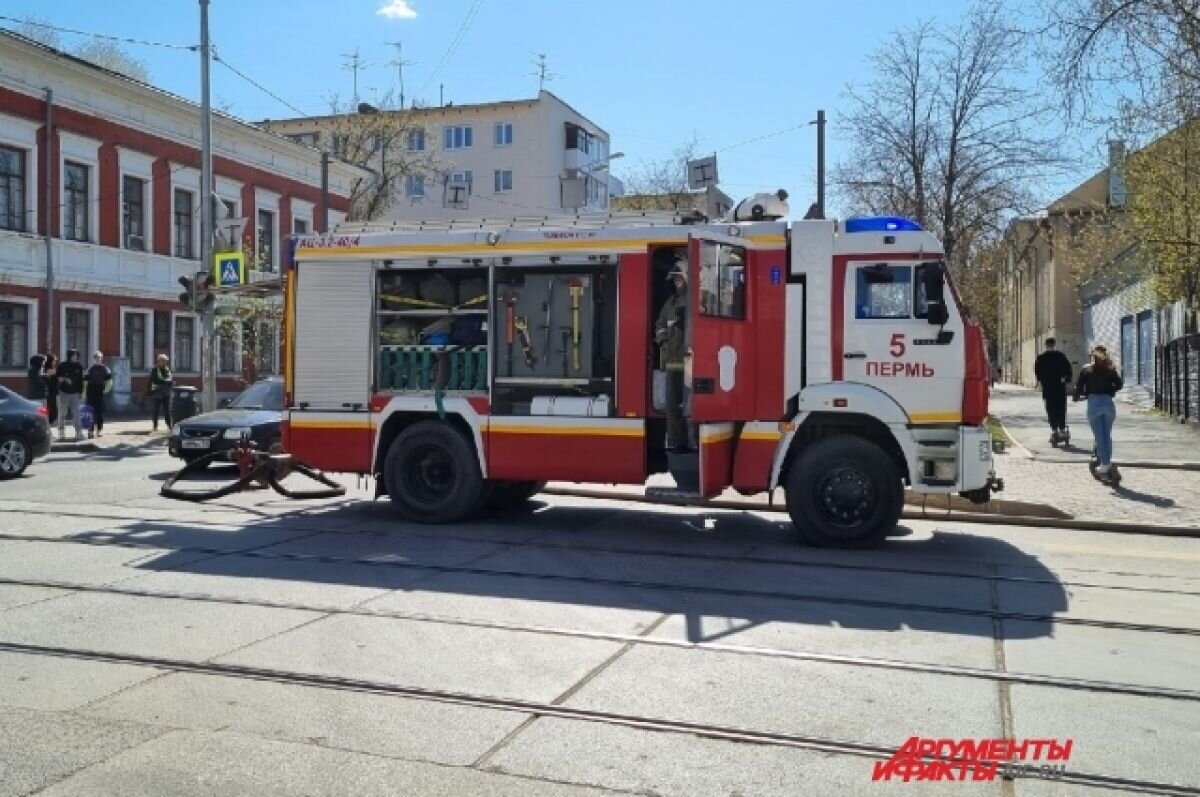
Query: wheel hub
[[845, 495], [429, 474], [12, 456]]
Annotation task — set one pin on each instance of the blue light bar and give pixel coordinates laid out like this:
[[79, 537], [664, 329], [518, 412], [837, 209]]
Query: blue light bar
[[882, 224]]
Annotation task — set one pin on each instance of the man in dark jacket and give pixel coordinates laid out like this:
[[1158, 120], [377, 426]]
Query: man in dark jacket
[[70, 389], [1053, 372], [161, 383], [669, 335]]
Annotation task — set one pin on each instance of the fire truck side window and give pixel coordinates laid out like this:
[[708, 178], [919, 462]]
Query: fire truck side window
[[722, 280], [884, 291]]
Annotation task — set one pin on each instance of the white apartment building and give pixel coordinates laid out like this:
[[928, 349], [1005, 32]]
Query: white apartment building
[[511, 158]]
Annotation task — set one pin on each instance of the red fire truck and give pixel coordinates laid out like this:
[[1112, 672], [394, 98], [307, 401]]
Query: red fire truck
[[464, 364]]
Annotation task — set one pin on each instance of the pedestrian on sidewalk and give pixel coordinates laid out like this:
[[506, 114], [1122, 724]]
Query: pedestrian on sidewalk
[[161, 382], [69, 376], [50, 376], [1098, 382], [98, 381], [1052, 370]]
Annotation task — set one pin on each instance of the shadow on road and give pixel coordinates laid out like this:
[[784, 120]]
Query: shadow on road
[[723, 571], [1159, 501]]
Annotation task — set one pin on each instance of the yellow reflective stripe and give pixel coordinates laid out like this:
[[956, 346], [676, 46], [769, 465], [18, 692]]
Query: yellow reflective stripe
[[770, 437], [592, 431], [715, 437], [935, 417], [321, 424]]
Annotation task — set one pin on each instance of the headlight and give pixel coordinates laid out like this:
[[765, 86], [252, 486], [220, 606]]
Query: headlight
[[237, 433], [175, 430]]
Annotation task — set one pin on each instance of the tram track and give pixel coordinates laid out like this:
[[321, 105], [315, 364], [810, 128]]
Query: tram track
[[865, 662], [729, 558], [539, 709]]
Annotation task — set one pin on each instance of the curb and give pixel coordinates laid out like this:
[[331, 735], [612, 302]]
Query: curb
[[908, 514], [1133, 463]]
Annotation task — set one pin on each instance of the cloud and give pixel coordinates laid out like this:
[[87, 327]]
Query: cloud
[[397, 9]]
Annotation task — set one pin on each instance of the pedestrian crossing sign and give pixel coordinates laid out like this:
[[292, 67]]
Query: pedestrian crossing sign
[[229, 269]]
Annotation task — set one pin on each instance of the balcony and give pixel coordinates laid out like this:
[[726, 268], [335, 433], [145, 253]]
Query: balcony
[[91, 267]]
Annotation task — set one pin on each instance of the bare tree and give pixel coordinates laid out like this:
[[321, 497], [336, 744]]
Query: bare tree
[[101, 52], [946, 135], [389, 143], [662, 184]]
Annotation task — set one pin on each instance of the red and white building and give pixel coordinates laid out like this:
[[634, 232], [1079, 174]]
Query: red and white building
[[100, 182]]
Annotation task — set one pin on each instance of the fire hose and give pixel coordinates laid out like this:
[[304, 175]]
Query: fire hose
[[257, 470]]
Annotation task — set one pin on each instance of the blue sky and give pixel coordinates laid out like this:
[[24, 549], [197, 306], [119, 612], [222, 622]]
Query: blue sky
[[652, 73]]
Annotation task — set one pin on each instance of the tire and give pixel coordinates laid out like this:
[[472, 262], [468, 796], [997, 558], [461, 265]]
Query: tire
[[432, 474], [507, 495], [15, 456], [844, 492]]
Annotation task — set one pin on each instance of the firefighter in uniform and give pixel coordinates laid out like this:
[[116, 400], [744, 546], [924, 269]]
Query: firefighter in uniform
[[669, 334]]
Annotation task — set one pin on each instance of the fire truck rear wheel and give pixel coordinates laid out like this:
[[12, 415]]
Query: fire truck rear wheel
[[432, 474], [844, 492]]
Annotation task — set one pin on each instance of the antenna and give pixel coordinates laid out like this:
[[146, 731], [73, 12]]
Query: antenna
[[400, 63], [542, 73], [354, 64]]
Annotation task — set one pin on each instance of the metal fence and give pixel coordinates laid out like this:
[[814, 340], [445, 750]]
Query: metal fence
[[1177, 380]]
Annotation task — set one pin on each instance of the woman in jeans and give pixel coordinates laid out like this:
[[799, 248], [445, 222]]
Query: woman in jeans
[[1098, 382]]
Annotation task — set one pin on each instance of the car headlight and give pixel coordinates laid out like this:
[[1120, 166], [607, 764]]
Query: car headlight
[[237, 433], [176, 430]]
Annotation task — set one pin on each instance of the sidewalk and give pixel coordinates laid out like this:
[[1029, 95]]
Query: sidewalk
[[1140, 437], [125, 434]]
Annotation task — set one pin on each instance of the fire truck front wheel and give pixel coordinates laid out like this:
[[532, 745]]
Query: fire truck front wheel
[[432, 474], [844, 492]]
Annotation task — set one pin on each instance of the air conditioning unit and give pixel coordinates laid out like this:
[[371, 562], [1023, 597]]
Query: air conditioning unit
[[137, 242]]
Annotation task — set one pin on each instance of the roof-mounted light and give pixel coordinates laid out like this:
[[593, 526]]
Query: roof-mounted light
[[882, 224]]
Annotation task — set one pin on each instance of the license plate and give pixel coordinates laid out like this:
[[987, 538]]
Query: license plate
[[195, 444]]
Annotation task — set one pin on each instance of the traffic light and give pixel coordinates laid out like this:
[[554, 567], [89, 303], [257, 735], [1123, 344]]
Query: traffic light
[[197, 295]]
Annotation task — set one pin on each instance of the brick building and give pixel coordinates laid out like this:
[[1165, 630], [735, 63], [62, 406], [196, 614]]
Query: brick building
[[99, 214]]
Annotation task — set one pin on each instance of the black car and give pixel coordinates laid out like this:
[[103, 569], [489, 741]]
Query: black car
[[24, 433], [256, 413]]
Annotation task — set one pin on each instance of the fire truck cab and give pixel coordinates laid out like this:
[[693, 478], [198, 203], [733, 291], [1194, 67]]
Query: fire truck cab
[[464, 364]]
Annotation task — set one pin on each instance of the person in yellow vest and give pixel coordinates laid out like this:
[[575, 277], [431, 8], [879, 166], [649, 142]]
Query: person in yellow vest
[[161, 383], [669, 334]]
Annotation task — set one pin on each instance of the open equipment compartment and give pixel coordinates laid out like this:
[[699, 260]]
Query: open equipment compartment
[[554, 338], [431, 329]]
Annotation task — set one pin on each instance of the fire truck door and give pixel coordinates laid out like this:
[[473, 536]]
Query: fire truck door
[[889, 342], [329, 420], [719, 365]]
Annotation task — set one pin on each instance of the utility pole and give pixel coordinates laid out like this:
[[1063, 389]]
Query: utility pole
[[820, 123], [354, 65], [208, 318], [400, 63]]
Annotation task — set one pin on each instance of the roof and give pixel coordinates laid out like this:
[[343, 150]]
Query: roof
[[433, 109], [160, 93]]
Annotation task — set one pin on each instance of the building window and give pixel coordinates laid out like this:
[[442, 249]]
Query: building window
[[133, 196], [416, 140], [299, 226], [339, 145], [183, 225], [230, 208], [415, 185], [12, 189], [457, 137], [14, 335], [135, 341], [502, 132], [722, 281], [266, 240], [75, 202], [79, 330], [184, 338], [227, 356], [503, 180], [463, 177]]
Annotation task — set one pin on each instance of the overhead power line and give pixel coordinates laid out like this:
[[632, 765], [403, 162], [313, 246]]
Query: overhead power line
[[462, 29], [256, 84], [125, 39]]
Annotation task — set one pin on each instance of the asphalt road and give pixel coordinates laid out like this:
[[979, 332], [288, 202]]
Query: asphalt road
[[261, 646]]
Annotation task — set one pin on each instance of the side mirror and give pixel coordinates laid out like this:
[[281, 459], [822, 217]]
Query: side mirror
[[933, 281]]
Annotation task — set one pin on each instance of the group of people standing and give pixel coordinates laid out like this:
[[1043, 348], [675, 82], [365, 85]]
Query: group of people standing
[[68, 387], [1099, 381]]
